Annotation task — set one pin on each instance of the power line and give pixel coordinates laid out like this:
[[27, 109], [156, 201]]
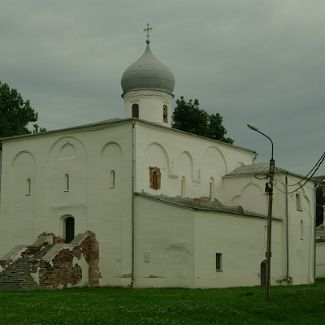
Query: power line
[[305, 179], [317, 165]]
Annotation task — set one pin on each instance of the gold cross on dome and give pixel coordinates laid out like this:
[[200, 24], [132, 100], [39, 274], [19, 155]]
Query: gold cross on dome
[[148, 29]]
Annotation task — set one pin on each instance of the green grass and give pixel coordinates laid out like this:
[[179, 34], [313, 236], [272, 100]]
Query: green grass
[[288, 305]]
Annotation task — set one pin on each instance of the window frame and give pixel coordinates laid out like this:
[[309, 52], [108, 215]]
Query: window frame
[[28, 187], [218, 261], [165, 113], [135, 110], [298, 202], [66, 182], [112, 179]]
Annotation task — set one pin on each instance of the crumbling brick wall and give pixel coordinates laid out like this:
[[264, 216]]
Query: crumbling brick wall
[[65, 271]]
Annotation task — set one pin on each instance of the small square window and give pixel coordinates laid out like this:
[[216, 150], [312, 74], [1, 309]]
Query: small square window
[[218, 262]]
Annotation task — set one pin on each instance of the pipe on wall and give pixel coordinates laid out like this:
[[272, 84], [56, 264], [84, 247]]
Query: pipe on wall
[[287, 228], [133, 207]]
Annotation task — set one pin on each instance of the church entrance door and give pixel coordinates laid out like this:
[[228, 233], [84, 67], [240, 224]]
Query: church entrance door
[[263, 273], [69, 229]]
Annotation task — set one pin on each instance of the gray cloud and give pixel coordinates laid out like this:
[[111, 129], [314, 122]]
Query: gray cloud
[[252, 61]]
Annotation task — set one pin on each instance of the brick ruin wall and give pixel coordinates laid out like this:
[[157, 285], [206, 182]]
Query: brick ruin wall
[[65, 269], [74, 264]]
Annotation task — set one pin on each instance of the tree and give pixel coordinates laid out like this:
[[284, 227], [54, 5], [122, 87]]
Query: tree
[[189, 117], [15, 113]]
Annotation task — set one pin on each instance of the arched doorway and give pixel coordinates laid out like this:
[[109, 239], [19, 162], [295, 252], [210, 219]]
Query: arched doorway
[[263, 273], [68, 228]]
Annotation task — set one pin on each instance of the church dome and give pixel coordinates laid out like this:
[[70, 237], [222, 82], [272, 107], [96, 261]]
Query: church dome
[[148, 73]]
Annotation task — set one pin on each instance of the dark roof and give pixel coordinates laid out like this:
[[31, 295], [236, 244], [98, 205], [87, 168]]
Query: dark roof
[[203, 204], [83, 126], [258, 169]]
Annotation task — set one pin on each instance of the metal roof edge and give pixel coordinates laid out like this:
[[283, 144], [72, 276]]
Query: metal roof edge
[[78, 127], [164, 199]]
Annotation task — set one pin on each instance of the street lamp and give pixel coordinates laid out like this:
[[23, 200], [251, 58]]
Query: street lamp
[[269, 191]]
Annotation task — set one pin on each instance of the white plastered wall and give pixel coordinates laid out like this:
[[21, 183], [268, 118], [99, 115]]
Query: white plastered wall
[[88, 156], [150, 103], [249, 192], [242, 242], [182, 243], [181, 155], [164, 245]]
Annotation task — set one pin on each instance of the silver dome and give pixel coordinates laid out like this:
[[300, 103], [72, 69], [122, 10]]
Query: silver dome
[[148, 73]]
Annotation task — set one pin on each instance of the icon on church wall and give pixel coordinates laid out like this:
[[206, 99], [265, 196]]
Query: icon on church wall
[[155, 177]]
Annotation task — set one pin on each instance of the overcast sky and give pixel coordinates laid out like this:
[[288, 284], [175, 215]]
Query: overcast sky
[[253, 61]]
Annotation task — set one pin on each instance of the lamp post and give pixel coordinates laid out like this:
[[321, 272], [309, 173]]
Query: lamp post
[[269, 191]]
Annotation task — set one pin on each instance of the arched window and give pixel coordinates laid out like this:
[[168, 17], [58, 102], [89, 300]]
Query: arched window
[[66, 183], [112, 179], [165, 114], [68, 229], [301, 229], [135, 110], [298, 202], [211, 189], [183, 184], [28, 187]]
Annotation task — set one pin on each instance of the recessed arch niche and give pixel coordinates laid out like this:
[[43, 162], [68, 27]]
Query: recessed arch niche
[[213, 165], [67, 169], [112, 166], [156, 156], [185, 165]]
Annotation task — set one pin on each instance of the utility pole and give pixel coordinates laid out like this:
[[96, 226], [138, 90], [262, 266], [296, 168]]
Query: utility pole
[[269, 191]]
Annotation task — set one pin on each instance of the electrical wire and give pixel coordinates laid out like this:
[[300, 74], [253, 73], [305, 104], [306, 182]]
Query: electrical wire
[[261, 176], [305, 179], [317, 165], [320, 161], [301, 183]]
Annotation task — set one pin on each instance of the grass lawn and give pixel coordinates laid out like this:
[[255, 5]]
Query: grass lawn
[[288, 305]]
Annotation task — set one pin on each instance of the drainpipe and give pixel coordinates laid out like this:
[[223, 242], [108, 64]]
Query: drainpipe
[[0, 171], [315, 210], [287, 226], [132, 205]]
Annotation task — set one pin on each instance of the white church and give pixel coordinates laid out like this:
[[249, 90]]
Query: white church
[[134, 202]]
